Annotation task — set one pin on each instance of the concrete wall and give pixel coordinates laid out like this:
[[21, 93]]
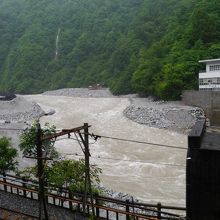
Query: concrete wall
[[207, 100]]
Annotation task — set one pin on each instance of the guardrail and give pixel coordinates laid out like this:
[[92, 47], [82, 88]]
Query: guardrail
[[105, 207]]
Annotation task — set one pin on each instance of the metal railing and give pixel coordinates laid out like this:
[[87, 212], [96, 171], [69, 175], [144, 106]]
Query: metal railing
[[105, 207]]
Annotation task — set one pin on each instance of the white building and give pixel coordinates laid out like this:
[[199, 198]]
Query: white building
[[209, 79]]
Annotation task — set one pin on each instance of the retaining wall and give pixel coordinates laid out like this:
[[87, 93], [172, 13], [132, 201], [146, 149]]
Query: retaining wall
[[209, 101]]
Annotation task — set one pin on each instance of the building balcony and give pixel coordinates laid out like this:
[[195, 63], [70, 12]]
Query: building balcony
[[213, 74]]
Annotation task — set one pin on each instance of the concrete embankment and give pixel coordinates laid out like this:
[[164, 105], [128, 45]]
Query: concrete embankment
[[207, 100]]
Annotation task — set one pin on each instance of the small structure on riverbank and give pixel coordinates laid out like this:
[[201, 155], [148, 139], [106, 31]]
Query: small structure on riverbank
[[96, 86], [7, 96]]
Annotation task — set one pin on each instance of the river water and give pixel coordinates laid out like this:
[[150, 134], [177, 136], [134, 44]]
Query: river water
[[148, 172]]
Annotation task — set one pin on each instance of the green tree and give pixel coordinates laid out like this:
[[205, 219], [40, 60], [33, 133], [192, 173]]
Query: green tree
[[58, 173], [71, 174], [124, 44], [204, 25], [8, 155], [66, 173], [28, 140]]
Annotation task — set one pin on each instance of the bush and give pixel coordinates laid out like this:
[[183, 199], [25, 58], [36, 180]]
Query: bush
[[8, 155]]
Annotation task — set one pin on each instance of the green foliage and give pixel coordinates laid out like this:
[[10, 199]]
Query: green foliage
[[28, 172], [130, 46], [71, 174], [66, 173], [28, 140], [8, 155]]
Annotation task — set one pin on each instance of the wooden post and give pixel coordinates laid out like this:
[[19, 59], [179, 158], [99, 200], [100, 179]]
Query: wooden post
[[5, 181], [107, 215], [116, 215], [78, 207], [41, 195], [127, 210], [46, 197], [70, 202], [97, 208], [87, 171], [24, 186], [159, 211]]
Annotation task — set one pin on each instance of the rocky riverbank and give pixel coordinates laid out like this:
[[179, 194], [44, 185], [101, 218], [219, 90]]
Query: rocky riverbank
[[18, 110], [166, 115], [81, 92]]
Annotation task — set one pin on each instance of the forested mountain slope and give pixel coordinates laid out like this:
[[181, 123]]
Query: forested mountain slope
[[146, 46]]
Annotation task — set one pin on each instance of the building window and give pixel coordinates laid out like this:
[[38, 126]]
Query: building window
[[209, 81], [214, 67]]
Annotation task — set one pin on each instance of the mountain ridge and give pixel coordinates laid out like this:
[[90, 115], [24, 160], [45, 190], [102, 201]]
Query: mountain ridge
[[144, 46]]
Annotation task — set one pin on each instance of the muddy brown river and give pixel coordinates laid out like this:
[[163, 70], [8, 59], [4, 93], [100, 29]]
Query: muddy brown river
[[148, 172]]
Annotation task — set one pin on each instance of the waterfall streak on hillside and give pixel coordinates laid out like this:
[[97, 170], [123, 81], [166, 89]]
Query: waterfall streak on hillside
[[57, 44]]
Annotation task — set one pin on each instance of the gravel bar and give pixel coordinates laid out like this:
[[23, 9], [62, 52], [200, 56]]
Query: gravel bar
[[19, 110], [160, 114], [81, 92], [165, 115]]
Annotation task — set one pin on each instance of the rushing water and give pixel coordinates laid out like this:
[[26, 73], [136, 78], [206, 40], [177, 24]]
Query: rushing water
[[150, 173]]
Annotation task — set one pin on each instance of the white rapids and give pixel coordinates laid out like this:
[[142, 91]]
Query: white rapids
[[140, 170]]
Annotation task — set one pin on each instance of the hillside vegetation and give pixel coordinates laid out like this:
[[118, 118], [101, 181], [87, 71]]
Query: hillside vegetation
[[147, 46]]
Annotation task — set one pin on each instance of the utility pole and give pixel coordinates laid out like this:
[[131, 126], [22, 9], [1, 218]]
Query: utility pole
[[86, 152], [87, 170], [40, 167], [40, 172]]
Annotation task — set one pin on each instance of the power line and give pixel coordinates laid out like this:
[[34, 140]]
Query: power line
[[117, 139], [127, 160], [138, 142], [70, 138]]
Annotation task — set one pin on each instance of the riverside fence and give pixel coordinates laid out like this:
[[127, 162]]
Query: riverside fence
[[105, 207]]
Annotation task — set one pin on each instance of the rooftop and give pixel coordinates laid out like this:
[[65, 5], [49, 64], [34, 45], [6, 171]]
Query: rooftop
[[209, 61]]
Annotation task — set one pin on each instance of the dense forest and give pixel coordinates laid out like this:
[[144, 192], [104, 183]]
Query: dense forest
[[151, 47]]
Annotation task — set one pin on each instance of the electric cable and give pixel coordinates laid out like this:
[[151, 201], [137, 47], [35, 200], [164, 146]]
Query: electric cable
[[117, 139], [134, 141]]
